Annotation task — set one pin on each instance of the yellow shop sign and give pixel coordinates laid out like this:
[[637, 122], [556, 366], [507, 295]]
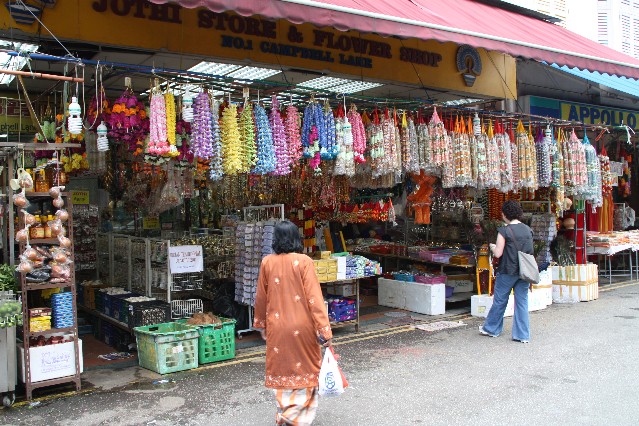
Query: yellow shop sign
[[233, 37]]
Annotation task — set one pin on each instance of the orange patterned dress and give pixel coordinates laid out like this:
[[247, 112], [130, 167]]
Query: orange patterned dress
[[290, 306]]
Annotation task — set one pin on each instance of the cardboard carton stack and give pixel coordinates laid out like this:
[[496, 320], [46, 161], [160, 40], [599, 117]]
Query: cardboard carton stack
[[576, 283]]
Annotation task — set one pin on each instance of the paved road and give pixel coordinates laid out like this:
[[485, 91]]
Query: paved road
[[581, 368]]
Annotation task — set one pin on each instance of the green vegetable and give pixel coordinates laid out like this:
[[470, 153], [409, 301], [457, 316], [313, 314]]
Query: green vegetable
[[8, 280]]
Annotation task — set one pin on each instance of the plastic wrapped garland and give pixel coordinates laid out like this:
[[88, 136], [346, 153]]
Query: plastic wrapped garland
[[575, 156], [387, 164], [424, 148], [247, 138], [493, 162], [544, 167], [593, 191], [265, 151], [359, 135], [344, 164], [480, 165], [216, 166], [461, 155], [375, 137], [557, 183], [202, 131], [169, 101], [292, 126], [158, 133], [526, 158], [283, 165], [312, 140], [232, 149], [607, 179], [328, 148], [440, 142], [411, 163], [397, 166]]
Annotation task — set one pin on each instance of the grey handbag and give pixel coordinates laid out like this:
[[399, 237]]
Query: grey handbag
[[528, 269]]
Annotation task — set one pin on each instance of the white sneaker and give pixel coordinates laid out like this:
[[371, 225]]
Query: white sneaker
[[521, 341], [484, 332]]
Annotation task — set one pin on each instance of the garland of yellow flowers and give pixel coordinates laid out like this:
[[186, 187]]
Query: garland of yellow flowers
[[231, 141], [169, 100], [247, 138]]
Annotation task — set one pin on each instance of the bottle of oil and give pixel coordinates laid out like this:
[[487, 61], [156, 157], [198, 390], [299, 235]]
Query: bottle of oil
[[41, 183]]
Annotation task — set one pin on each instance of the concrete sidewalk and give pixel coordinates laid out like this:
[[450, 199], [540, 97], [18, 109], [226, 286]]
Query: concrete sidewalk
[[580, 368]]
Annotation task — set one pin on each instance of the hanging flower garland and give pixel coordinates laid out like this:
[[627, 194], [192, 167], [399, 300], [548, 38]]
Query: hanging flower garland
[[182, 140], [247, 139], [292, 125], [593, 192], [266, 161], [542, 147], [607, 179], [387, 164], [411, 164], [375, 137], [462, 155], [397, 166], [283, 165], [514, 157], [526, 158], [493, 179], [359, 134], [216, 166], [576, 155], [558, 182], [158, 131], [202, 133], [169, 101], [424, 147], [312, 140], [505, 159], [328, 150], [128, 121], [232, 150], [440, 143]]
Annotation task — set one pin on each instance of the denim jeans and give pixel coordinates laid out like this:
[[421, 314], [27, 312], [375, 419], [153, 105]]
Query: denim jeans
[[494, 323]]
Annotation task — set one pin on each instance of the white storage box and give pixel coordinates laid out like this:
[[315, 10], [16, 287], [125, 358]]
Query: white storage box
[[461, 283], [428, 299], [573, 292], [579, 273], [341, 290], [480, 305], [51, 361], [537, 299]]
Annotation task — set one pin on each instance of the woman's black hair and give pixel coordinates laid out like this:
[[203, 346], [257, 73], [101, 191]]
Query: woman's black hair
[[512, 210], [286, 238]]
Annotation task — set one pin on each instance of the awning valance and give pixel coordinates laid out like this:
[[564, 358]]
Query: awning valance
[[459, 21]]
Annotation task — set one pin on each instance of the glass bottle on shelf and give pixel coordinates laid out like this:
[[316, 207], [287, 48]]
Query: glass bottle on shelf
[[41, 183], [37, 230], [45, 225]]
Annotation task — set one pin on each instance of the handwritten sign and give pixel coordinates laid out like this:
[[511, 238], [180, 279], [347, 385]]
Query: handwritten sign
[[185, 259], [149, 222], [80, 197]]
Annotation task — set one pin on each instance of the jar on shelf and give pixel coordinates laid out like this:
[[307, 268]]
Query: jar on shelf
[[42, 183]]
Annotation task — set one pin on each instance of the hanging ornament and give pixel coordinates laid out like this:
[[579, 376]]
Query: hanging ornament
[[544, 167], [292, 126], [201, 136], [283, 161], [231, 139], [359, 134], [462, 163], [505, 158], [216, 167], [411, 162], [265, 151], [593, 191], [103, 141], [187, 106], [493, 179], [158, 134], [75, 117], [247, 138], [169, 102], [558, 182], [329, 149], [476, 125]]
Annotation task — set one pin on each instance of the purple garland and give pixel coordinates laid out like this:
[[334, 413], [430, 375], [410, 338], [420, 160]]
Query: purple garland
[[283, 165], [202, 135]]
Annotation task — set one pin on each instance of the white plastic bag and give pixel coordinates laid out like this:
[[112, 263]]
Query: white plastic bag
[[331, 381]]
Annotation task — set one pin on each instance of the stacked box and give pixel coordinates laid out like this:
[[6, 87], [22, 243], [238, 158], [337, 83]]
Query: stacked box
[[576, 283], [62, 305], [39, 319], [342, 309], [480, 305], [326, 270]]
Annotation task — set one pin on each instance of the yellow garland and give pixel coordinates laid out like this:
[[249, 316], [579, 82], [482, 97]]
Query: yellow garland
[[169, 100], [231, 143]]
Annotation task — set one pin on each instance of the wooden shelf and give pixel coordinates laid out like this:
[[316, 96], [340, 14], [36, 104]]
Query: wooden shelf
[[413, 259], [43, 241], [51, 331], [59, 381], [45, 285], [44, 194], [105, 317], [343, 323]]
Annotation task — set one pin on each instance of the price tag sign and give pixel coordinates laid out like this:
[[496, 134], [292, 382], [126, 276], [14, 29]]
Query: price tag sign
[[80, 197], [149, 222], [185, 259]]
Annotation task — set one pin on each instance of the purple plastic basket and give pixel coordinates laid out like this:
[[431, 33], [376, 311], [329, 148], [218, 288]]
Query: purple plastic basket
[[449, 291]]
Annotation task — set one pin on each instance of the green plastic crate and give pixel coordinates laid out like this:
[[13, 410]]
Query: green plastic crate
[[167, 347], [216, 342]]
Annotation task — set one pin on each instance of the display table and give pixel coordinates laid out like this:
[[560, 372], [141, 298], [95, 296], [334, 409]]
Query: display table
[[428, 299], [619, 250], [346, 287], [388, 257]]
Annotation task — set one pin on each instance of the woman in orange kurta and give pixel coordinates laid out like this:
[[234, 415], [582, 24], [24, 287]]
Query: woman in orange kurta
[[290, 312]]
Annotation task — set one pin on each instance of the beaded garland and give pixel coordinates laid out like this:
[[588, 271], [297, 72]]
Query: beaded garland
[[247, 138], [424, 148], [266, 161], [440, 142], [542, 147], [201, 136], [526, 158], [359, 134], [388, 160], [292, 125], [514, 151], [283, 165], [575, 156], [216, 166], [231, 141], [375, 136]]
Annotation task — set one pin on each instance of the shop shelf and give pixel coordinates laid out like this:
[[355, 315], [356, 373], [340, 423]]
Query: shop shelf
[[36, 241], [45, 285], [44, 194], [51, 331]]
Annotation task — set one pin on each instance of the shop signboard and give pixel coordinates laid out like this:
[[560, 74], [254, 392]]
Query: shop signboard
[[150, 222], [232, 37], [584, 113], [185, 259], [80, 197]]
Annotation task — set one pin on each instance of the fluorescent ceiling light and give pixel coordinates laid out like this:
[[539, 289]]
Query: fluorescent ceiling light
[[214, 68], [252, 73], [338, 85], [14, 63], [458, 102]]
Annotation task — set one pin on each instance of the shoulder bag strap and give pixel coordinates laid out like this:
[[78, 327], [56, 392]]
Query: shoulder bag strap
[[512, 234]]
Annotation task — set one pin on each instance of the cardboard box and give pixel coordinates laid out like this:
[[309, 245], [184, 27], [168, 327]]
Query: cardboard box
[[546, 292], [341, 290], [480, 305], [325, 255], [578, 273], [537, 300], [573, 292], [428, 299], [50, 362], [461, 283], [341, 264]]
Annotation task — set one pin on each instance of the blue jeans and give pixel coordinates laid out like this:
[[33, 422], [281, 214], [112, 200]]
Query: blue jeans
[[494, 323]]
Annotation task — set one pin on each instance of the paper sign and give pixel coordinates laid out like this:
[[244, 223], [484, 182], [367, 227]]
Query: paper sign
[[149, 222], [80, 197], [185, 259], [616, 168]]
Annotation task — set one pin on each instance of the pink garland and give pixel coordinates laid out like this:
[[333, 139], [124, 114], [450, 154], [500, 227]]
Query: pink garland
[[158, 144], [315, 160], [283, 160], [292, 126], [359, 135]]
